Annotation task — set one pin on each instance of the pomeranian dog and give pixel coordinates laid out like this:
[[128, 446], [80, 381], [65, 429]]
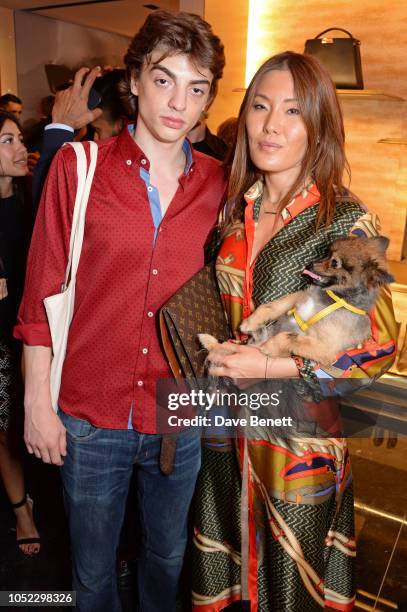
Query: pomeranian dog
[[329, 317]]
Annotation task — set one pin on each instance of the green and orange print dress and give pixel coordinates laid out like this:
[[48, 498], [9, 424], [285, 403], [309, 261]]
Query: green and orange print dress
[[300, 526]]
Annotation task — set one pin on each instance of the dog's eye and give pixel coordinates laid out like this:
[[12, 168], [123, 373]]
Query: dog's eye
[[335, 263]]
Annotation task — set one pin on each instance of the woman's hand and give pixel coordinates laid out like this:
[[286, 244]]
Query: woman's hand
[[247, 361], [3, 288], [237, 361]]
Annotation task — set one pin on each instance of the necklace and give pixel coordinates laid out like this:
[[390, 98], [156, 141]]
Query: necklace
[[304, 193], [268, 212]]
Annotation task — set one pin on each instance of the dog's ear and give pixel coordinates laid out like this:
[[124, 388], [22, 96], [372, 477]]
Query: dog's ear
[[384, 277], [381, 242], [376, 276]]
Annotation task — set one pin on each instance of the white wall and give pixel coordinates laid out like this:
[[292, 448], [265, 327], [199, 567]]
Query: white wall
[[40, 40]]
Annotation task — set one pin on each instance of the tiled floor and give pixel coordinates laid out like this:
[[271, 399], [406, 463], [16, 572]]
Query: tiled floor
[[380, 475]]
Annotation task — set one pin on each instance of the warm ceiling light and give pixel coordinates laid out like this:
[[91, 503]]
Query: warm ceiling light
[[259, 38]]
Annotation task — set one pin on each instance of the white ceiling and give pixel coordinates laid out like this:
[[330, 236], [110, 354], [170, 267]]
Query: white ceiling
[[122, 17]]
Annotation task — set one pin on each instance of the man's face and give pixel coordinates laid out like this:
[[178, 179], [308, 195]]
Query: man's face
[[14, 108], [171, 96]]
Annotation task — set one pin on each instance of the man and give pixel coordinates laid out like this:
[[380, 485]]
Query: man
[[71, 112], [152, 206], [12, 104], [204, 141]]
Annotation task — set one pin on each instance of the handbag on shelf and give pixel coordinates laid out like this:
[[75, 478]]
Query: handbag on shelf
[[340, 56], [60, 307], [193, 309]]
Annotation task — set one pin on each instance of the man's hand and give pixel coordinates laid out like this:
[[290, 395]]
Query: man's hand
[[44, 433], [71, 105], [3, 288]]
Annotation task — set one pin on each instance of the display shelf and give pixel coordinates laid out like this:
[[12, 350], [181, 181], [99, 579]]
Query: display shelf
[[393, 141], [368, 94]]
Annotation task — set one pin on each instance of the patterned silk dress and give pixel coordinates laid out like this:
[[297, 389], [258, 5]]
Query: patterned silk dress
[[297, 551]]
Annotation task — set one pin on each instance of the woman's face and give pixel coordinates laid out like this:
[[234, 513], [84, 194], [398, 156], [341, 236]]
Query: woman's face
[[13, 154], [276, 132]]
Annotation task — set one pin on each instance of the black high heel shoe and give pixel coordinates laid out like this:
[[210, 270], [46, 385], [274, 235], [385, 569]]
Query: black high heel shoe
[[21, 541]]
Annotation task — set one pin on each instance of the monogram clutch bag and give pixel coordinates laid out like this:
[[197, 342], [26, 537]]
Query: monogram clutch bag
[[193, 309]]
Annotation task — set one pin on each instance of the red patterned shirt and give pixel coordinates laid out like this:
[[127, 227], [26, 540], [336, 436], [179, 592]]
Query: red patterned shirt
[[114, 355]]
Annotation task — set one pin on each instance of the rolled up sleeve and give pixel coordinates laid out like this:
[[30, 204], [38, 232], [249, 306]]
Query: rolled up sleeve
[[49, 249]]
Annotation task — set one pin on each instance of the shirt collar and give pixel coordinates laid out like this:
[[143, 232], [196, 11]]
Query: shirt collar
[[133, 154], [301, 202], [189, 160]]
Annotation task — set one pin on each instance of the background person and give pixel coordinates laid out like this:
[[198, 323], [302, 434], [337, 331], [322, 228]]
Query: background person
[[14, 236], [204, 141], [286, 204], [11, 104], [71, 113], [227, 132]]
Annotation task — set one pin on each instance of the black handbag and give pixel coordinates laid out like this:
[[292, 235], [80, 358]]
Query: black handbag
[[340, 56]]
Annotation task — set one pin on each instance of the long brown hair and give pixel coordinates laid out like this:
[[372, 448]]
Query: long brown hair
[[324, 160]]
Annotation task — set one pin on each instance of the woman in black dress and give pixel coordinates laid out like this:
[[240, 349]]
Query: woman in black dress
[[14, 236]]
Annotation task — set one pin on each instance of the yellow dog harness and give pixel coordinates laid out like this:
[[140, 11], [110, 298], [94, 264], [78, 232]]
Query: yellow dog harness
[[337, 303]]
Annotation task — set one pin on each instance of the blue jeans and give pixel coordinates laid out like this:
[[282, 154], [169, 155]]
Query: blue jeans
[[95, 476]]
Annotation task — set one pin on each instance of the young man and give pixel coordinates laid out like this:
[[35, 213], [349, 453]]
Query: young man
[[152, 206]]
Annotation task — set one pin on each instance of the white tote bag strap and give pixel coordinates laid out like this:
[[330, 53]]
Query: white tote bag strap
[[85, 178]]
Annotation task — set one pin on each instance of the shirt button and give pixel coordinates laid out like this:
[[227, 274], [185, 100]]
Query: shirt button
[[144, 161], [140, 383], [150, 314], [150, 188], [155, 272], [144, 351], [128, 162]]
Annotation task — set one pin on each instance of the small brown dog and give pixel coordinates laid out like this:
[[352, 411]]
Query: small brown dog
[[332, 315]]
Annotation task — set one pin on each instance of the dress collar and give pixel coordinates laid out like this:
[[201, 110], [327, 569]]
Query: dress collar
[[297, 205]]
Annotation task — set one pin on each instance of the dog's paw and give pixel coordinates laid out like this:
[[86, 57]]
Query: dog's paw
[[262, 315], [279, 345], [248, 326], [207, 341]]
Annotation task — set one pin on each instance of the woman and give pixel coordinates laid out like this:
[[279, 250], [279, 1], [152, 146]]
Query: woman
[[295, 550], [14, 233]]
